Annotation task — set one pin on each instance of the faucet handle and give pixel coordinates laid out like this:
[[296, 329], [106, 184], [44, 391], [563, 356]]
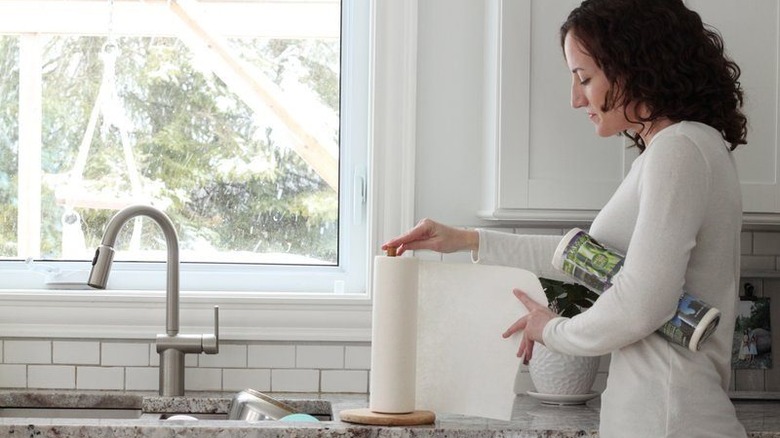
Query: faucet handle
[[211, 342]]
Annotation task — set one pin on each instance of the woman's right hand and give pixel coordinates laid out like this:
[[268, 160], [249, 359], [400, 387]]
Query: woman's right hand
[[429, 234]]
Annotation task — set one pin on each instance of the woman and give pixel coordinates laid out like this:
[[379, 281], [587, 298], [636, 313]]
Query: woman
[[752, 347], [744, 348], [652, 71]]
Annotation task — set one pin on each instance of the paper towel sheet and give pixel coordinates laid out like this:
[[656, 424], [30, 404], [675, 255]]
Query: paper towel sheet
[[464, 366]]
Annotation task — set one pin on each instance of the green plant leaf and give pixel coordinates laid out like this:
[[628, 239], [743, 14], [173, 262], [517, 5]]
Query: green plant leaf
[[569, 298]]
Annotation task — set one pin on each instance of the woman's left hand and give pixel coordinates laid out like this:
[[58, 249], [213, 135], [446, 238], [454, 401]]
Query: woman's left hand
[[532, 325]]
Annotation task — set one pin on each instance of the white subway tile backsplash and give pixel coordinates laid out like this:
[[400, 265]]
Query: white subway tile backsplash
[[230, 356], [124, 354], [457, 257], [295, 380], [358, 357], [51, 376], [749, 380], [766, 243], [319, 356], [203, 379], [76, 352], [37, 352], [190, 360], [759, 263], [772, 382], [542, 231], [271, 356], [13, 376], [344, 381], [523, 381], [239, 379], [100, 378], [510, 230], [428, 255], [746, 243], [142, 379]]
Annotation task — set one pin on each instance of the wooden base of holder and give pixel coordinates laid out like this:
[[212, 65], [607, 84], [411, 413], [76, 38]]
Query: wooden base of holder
[[367, 416]]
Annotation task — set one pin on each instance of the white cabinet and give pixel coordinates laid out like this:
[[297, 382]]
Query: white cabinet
[[750, 31], [543, 160]]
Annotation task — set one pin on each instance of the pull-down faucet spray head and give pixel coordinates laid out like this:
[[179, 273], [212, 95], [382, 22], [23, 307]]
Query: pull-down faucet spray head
[[101, 267]]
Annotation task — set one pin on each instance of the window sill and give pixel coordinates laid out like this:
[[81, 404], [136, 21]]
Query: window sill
[[141, 315]]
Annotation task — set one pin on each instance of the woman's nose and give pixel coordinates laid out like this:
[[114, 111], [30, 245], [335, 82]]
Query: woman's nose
[[577, 97]]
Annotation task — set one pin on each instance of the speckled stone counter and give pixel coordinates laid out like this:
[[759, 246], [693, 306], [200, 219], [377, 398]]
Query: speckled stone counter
[[530, 418]]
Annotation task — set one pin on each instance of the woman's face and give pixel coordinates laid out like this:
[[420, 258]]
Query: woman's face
[[589, 89]]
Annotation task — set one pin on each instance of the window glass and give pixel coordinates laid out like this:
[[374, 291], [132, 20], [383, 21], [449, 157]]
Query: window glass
[[172, 134]]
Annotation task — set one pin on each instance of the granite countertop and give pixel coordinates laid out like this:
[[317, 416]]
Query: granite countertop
[[530, 418]]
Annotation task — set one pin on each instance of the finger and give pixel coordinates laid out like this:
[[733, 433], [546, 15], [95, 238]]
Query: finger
[[392, 243], [516, 327], [521, 349], [420, 232], [527, 301], [529, 351], [523, 352], [408, 243], [414, 245], [400, 250]]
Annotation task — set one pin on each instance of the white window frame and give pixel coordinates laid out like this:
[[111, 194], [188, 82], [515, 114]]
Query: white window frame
[[309, 315]]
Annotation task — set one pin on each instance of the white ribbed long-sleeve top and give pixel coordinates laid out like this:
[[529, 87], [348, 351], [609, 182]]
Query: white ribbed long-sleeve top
[[677, 217]]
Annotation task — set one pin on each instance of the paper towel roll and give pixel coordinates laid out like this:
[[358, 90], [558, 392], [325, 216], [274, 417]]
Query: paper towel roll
[[394, 335]]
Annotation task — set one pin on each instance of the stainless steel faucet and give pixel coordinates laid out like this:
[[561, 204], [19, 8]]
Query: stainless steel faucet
[[171, 346]]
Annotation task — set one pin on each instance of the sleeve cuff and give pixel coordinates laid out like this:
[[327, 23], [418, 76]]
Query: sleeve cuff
[[548, 334], [475, 254]]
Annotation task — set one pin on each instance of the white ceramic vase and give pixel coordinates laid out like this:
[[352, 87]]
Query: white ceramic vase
[[561, 374]]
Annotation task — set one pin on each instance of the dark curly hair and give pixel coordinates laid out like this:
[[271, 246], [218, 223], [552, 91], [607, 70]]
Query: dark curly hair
[[659, 53]]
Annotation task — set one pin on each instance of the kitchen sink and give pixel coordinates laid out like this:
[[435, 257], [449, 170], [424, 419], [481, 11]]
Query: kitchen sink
[[129, 406], [197, 416], [319, 409], [69, 413], [100, 413]]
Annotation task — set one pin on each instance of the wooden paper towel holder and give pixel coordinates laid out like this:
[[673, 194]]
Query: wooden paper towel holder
[[367, 416]]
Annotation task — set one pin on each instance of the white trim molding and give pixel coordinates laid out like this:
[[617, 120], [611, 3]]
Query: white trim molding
[[394, 107]]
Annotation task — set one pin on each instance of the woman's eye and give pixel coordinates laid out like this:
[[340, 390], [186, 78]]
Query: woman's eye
[[584, 81]]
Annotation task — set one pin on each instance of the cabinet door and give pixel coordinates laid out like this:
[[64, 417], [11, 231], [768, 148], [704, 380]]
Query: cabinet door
[[750, 32], [544, 159]]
